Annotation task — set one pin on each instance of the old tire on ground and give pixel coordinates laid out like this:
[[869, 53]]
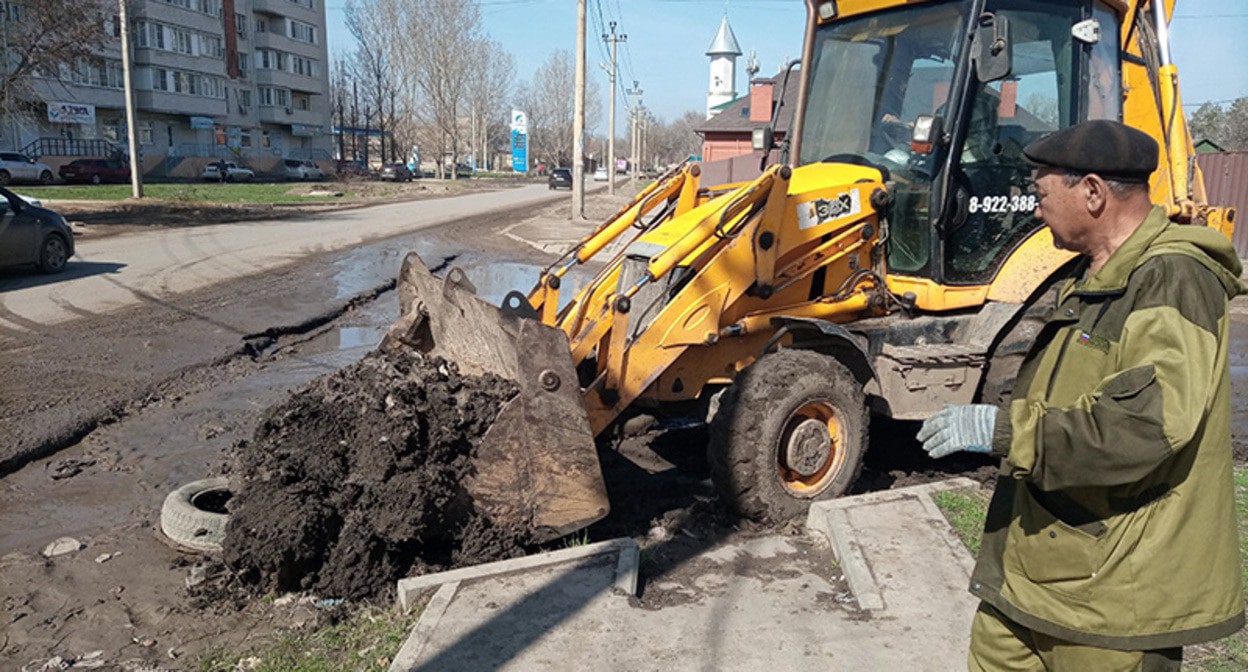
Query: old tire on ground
[[792, 429], [54, 254], [194, 515]]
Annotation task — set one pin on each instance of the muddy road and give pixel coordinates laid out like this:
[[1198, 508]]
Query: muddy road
[[103, 415]]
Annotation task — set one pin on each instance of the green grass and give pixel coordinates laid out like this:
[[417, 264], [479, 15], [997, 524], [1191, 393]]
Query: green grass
[[366, 639], [207, 192], [965, 510]]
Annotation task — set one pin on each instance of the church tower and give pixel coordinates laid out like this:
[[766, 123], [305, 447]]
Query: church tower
[[723, 52]]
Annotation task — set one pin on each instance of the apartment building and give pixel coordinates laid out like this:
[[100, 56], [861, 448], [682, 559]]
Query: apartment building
[[243, 79]]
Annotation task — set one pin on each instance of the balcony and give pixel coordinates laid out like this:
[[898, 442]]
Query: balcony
[[289, 115], [288, 80], [287, 8], [178, 103]]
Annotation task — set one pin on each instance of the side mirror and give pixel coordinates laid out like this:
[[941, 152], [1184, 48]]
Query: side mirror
[[763, 139], [992, 52], [927, 133]]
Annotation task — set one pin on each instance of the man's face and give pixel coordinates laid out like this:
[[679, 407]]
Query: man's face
[[1063, 209]]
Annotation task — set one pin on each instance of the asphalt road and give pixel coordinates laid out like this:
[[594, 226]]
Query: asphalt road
[[118, 271]]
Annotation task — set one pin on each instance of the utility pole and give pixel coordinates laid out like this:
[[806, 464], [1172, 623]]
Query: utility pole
[[578, 118], [633, 149], [136, 172], [614, 40]]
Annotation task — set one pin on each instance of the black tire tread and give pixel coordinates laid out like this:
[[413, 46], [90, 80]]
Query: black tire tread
[[751, 415]]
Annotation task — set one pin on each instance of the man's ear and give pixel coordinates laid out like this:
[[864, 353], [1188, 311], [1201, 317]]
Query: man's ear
[[1095, 191]]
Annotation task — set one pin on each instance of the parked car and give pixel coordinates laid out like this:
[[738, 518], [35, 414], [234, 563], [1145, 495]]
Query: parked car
[[95, 171], [600, 175], [461, 170], [233, 172], [31, 235], [294, 169], [15, 167], [395, 172], [560, 178]]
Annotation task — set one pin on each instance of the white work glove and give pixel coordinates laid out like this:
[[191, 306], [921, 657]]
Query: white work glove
[[955, 428]]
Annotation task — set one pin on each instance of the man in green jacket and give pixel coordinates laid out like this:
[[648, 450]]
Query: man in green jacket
[[1111, 540]]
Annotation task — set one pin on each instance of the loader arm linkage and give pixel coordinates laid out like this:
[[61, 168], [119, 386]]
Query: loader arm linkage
[[704, 274]]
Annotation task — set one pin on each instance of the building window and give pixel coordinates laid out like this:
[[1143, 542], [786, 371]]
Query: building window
[[145, 133], [244, 139], [303, 32], [301, 102], [240, 26], [244, 61], [211, 45], [265, 141], [244, 97], [160, 79], [109, 128], [262, 25], [210, 7]]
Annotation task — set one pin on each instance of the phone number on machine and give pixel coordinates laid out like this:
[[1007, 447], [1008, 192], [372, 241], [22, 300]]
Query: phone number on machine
[[1019, 203]]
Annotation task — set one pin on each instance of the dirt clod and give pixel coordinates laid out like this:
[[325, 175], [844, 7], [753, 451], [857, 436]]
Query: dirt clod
[[358, 480]]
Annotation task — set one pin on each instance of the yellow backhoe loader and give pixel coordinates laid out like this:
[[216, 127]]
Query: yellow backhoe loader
[[888, 260]]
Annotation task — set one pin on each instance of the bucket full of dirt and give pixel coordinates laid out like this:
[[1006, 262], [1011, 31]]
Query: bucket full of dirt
[[362, 478]]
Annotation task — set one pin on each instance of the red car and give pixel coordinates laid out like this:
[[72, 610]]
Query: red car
[[95, 171]]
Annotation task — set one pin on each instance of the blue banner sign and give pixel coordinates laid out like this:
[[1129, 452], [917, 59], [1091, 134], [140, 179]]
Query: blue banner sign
[[519, 151]]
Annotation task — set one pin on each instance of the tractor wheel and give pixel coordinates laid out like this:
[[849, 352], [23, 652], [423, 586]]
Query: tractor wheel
[[792, 429]]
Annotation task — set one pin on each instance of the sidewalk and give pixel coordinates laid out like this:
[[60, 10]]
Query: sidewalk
[[774, 602]]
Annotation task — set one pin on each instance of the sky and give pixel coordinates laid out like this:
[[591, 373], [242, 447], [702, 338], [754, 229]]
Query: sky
[[667, 41]]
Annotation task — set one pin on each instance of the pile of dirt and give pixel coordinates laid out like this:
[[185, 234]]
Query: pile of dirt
[[357, 480]]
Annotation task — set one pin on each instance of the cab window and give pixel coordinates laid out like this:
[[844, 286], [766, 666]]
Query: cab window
[[1056, 80]]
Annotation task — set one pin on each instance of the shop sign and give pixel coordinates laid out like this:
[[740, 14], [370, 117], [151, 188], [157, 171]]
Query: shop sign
[[71, 113], [306, 131]]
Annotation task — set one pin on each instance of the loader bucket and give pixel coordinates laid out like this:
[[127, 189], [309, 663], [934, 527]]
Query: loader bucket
[[536, 467]]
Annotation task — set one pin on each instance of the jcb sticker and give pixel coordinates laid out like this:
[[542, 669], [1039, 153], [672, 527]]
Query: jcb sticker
[[824, 210]]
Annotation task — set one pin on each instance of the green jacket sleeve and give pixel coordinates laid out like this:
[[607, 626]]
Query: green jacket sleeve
[[1142, 413]]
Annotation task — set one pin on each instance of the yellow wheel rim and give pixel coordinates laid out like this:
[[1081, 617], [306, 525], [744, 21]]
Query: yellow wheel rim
[[811, 452]]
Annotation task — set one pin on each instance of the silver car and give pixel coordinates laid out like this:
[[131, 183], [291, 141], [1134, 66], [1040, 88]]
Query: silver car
[[15, 167], [294, 169]]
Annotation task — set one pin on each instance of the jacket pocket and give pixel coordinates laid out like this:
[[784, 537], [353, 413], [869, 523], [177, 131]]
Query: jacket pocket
[[1130, 383], [1049, 550]]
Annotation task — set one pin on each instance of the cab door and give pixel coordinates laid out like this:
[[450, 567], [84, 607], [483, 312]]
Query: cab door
[[1059, 77]]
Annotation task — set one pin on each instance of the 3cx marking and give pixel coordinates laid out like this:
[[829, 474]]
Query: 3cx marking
[[826, 209]]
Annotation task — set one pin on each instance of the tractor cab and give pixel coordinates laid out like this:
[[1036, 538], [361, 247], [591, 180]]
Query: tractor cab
[[941, 98]]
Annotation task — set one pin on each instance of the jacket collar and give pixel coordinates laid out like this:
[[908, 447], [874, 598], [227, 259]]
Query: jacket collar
[[1112, 277]]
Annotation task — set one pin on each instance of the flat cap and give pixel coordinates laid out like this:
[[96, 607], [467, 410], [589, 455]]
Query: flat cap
[[1110, 149]]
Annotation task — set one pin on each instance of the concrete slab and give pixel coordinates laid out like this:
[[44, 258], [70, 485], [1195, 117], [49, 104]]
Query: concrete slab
[[897, 549], [774, 602]]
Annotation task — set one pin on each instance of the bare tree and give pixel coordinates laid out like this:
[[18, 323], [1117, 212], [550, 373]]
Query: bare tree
[[548, 99], [49, 37], [489, 90]]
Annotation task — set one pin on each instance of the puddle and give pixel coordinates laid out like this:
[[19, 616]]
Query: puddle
[[359, 337], [493, 281]]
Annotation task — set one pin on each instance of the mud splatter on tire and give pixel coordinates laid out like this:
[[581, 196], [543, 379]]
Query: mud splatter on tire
[[358, 480]]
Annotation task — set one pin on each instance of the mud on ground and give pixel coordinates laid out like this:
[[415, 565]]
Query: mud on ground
[[358, 480]]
